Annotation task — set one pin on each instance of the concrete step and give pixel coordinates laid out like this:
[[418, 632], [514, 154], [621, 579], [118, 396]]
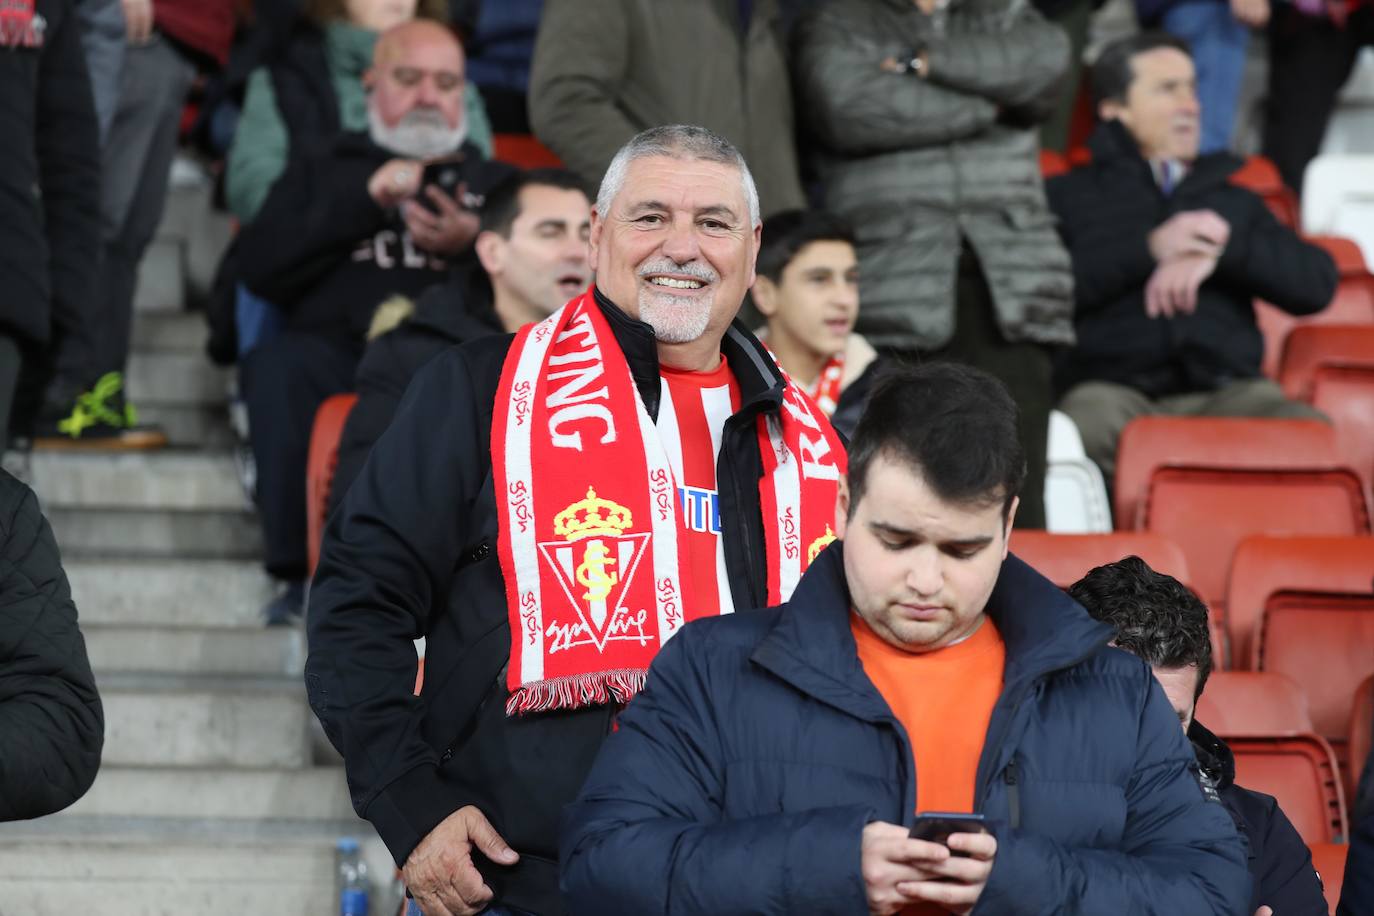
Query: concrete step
[[125, 533], [159, 480], [161, 277], [180, 331], [266, 651], [153, 867], [170, 721], [174, 377], [312, 794], [199, 426], [169, 593]]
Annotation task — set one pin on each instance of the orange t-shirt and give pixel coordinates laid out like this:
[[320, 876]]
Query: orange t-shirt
[[944, 700]]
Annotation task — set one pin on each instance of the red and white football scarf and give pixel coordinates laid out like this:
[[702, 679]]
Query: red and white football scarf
[[590, 520], [826, 392], [20, 27]]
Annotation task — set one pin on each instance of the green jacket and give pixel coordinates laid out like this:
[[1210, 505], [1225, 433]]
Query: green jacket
[[604, 70], [919, 165], [262, 141]]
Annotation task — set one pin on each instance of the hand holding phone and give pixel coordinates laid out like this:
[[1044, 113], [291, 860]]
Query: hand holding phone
[[936, 826]]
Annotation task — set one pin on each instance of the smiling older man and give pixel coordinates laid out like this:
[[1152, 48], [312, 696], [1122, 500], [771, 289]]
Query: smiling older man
[[549, 509]]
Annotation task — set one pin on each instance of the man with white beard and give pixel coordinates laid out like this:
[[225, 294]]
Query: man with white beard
[[348, 225]]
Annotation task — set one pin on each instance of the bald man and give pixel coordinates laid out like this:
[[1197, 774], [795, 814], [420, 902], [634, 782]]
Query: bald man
[[351, 222]]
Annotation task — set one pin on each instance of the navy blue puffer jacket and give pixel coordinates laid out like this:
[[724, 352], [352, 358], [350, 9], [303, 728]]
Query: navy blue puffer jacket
[[741, 778]]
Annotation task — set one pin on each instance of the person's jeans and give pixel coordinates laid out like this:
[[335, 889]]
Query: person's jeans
[[1218, 41]]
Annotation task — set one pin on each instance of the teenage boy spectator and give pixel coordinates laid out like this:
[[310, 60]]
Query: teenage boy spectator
[[530, 258], [774, 760], [808, 293], [548, 510], [1168, 258], [924, 114], [50, 713], [1157, 619], [604, 70], [49, 210], [344, 229], [168, 41]]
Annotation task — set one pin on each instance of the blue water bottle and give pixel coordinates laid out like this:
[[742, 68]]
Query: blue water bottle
[[353, 883]]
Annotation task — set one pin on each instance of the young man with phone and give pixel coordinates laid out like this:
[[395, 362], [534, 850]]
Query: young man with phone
[[778, 761]]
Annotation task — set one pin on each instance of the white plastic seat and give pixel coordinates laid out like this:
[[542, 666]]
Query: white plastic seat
[[1338, 199], [1075, 493]]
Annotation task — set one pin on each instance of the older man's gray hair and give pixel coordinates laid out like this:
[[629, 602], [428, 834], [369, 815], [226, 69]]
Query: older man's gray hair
[[676, 141]]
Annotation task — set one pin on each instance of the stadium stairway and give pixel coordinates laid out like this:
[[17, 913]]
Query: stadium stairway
[[217, 795]]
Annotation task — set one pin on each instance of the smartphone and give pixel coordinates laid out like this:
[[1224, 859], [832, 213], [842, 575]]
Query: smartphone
[[936, 826], [447, 176]]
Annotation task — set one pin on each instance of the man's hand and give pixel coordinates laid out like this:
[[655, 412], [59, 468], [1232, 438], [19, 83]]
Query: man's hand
[[1254, 13], [889, 858], [958, 881], [439, 873], [1264, 911], [1172, 288], [397, 180], [138, 21], [447, 232], [1190, 233]]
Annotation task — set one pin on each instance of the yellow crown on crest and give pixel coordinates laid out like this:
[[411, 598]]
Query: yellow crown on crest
[[820, 544], [592, 517]]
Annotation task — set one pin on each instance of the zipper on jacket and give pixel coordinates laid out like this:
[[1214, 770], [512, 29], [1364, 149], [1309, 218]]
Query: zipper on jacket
[[1009, 776]]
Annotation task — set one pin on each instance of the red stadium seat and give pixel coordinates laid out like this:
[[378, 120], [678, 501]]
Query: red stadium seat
[[1253, 703], [1329, 861], [321, 460], [523, 150], [1332, 368], [1052, 163], [1325, 642], [1065, 558], [1353, 302], [1206, 483], [1360, 736], [1260, 175], [1302, 773]]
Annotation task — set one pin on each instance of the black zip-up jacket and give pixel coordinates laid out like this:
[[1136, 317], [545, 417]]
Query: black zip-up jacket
[[52, 726], [50, 179], [445, 315], [412, 552], [1280, 863], [741, 778], [1106, 212]]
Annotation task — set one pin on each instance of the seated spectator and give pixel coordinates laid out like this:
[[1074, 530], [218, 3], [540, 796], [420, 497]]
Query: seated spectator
[[1159, 620], [1167, 260], [808, 292], [313, 87], [50, 712], [346, 227], [775, 758], [604, 70], [924, 114], [1357, 891], [531, 257]]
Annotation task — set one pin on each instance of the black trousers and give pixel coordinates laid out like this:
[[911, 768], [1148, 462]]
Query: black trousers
[[1309, 61], [283, 382], [1024, 367]]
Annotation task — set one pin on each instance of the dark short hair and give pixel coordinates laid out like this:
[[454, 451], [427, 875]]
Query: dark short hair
[[1114, 70], [1155, 616], [953, 424], [787, 233], [501, 207]]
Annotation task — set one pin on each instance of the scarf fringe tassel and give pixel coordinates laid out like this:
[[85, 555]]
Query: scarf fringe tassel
[[578, 690]]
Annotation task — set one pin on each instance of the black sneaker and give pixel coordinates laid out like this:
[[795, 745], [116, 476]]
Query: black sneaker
[[98, 419], [288, 606]]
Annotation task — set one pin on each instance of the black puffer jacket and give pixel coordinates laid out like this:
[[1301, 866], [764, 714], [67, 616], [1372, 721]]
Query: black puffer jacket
[[1280, 863], [1106, 212], [52, 726], [445, 315]]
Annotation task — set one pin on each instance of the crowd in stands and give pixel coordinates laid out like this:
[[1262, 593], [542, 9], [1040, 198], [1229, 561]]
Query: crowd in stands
[[883, 159]]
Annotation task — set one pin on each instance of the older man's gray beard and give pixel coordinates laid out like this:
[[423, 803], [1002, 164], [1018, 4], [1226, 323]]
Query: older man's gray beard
[[422, 133], [676, 319]]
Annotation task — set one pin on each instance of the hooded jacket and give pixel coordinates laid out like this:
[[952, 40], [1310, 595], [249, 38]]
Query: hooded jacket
[[411, 552], [1281, 871], [740, 780], [919, 165], [1106, 212]]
